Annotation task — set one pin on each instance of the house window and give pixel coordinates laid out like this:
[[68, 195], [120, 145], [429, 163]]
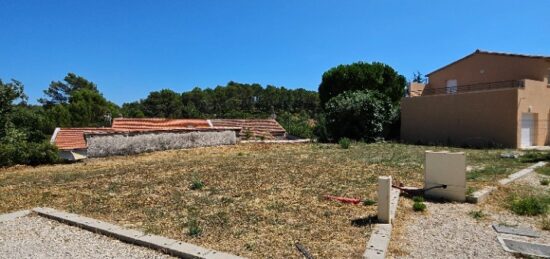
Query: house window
[[452, 86]]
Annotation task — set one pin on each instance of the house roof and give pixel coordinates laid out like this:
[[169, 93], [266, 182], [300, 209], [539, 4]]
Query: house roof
[[158, 123], [267, 128], [75, 138], [478, 51]]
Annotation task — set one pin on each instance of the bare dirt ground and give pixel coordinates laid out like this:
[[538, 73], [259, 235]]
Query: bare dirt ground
[[257, 201]]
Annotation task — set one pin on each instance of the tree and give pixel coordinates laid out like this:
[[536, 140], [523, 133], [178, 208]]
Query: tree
[[358, 115], [9, 93], [59, 92], [419, 78], [163, 104], [88, 108], [362, 76], [21, 141]]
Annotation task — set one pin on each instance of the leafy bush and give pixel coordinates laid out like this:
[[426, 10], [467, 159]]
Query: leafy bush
[[529, 205], [418, 199], [545, 181], [358, 115], [297, 125], [15, 149], [419, 206], [344, 143]]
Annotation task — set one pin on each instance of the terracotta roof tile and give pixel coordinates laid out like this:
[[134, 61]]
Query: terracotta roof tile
[[158, 123], [266, 128], [75, 138]]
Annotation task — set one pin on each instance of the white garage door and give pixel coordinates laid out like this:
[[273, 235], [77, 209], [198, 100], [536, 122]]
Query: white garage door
[[527, 129]]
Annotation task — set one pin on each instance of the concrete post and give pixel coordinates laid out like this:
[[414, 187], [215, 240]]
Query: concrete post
[[384, 197]]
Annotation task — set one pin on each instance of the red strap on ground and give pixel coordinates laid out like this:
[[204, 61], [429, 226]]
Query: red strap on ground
[[343, 199]]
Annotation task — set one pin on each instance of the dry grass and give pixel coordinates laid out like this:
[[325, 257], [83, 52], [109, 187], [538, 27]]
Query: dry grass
[[257, 200]]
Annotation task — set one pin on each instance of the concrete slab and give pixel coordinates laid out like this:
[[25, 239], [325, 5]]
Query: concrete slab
[[481, 195], [14, 215], [379, 241], [521, 173], [515, 231], [525, 248], [163, 244]]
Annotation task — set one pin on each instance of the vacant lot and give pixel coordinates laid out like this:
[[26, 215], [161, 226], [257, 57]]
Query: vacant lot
[[252, 200]]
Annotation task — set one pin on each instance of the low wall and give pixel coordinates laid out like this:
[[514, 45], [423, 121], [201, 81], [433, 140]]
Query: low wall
[[125, 144]]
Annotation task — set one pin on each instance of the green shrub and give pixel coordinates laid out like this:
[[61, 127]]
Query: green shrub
[[197, 184], [27, 153], [297, 125], [529, 206], [194, 228], [545, 181], [418, 199], [358, 115], [419, 206], [344, 143]]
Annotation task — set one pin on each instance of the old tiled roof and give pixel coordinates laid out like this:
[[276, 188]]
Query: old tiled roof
[[264, 128], [75, 138], [158, 123], [478, 51]]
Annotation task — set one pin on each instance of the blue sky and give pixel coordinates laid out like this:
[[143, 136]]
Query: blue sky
[[130, 48]]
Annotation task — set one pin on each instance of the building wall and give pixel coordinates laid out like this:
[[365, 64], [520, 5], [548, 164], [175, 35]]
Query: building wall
[[416, 89], [535, 98], [485, 68], [475, 118], [122, 144]]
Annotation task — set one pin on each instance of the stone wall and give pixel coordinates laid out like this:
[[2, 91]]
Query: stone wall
[[125, 144]]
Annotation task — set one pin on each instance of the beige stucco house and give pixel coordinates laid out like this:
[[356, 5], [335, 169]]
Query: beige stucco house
[[485, 98]]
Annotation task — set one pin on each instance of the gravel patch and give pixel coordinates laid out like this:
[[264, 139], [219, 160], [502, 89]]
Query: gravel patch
[[37, 237], [448, 231]]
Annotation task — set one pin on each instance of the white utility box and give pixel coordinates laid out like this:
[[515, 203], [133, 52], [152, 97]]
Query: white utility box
[[445, 168]]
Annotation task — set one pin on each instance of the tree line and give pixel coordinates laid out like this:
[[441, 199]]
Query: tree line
[[358, 101]]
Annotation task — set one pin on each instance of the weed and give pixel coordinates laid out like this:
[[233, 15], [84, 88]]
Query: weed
[[477, 214], [533, 157], [369, 202], [247, 134], [240, 154], [529, 206], [470, 191], [344, 143], [418, 199], [545, 170], [419, 206], [546, 223], [545, 181], [197, 184], [194, 228]]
